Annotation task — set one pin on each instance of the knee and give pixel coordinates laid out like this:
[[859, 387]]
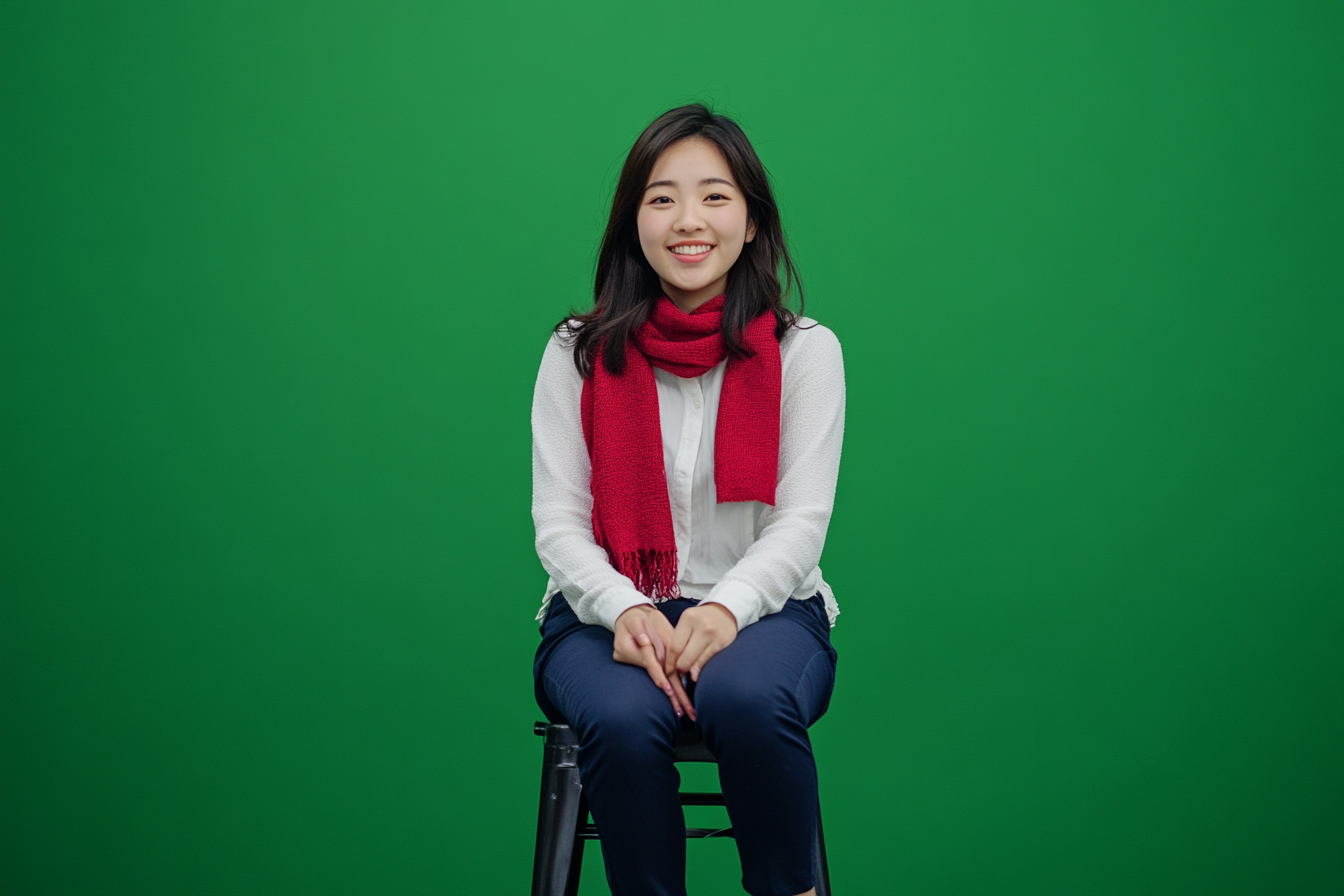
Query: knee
[[743, 703], [624, 723]]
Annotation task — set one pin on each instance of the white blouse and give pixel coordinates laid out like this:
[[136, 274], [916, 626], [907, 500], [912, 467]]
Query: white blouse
[[750, 557]]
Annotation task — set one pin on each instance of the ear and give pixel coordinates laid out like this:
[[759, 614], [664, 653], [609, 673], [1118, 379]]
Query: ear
[[751, 230]]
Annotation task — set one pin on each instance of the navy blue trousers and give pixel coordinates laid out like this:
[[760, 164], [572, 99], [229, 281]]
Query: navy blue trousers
[[754, 703]]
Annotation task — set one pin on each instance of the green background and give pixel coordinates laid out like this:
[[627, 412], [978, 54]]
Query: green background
[[275, 281]]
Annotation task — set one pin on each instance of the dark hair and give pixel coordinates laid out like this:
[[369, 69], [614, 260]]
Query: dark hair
[[626, 284]]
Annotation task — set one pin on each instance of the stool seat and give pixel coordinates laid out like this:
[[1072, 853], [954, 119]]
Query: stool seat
[[691, 747], [562, 818]]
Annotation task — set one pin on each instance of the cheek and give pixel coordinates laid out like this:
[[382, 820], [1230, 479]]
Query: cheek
[[649, 233], [731, 226], [650, 239]]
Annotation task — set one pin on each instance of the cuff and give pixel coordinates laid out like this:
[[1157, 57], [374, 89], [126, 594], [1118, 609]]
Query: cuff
[[740, 599], [615, 602]]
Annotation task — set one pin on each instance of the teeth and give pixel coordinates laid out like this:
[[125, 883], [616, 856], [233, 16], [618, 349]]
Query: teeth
[[692, 250]]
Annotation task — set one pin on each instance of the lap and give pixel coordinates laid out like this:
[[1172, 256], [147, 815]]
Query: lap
[[784, 657], [588, 686]]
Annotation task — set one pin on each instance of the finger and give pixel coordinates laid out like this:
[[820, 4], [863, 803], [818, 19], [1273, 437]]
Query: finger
[[705, 656], [677, 643], [694, 647], [659, 648], [629, 644], [625, 649], [641, 632], [681, 696], [645, 636], [659, 631], [655, 670], [649, 660], [681, 704], [670, 660], [682, 630]]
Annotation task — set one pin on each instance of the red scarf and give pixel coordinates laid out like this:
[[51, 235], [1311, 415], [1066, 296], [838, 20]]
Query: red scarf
[[632, 514]]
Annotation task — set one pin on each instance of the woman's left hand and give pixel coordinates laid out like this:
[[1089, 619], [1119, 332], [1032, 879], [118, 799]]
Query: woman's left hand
[[701, 632]]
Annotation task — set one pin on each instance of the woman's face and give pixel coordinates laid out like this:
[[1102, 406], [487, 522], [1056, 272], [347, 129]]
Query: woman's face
[[693, 222]]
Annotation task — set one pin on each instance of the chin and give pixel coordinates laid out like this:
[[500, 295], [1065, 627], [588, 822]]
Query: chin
[[695, 286]]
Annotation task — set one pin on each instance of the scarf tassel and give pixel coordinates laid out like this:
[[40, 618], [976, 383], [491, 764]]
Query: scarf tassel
[[653, 572]]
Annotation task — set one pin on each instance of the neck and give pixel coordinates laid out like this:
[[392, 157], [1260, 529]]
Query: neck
[[688, 301]]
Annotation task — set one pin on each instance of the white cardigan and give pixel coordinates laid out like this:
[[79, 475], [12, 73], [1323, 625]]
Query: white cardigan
[[750, 557]]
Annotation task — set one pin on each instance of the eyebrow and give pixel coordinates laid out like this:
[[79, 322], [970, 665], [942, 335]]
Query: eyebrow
[[708, 180]]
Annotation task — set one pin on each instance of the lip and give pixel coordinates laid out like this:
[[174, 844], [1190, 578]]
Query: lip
[[690, 259]]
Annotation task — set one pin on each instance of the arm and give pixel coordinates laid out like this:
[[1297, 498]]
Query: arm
[[811, 431], [562, 511], [562, 502]]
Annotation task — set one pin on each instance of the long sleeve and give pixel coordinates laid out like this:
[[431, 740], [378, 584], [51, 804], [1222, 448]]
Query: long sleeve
[[812, 424], [562, 502]]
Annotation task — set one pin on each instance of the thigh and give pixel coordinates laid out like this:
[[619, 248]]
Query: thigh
[[782, 660], [578, 676]]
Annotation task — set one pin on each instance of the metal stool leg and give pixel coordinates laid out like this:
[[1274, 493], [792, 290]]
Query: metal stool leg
[[558, 814], [819, 860], [563, 815]]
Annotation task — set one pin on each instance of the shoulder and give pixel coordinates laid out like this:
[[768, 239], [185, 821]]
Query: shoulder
[[562, 338], [811, 341], [812, 363], [557, 361], [560, 343]]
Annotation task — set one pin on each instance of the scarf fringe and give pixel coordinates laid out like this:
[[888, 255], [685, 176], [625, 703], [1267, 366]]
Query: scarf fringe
[[653, 572]]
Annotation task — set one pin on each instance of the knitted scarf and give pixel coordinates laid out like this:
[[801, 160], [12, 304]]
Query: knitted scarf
[[632, 516]]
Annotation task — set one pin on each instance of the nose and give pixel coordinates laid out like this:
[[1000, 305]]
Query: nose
[[689, 219]]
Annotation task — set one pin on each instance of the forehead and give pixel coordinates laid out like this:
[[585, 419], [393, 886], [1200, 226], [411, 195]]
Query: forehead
[[689, 161]]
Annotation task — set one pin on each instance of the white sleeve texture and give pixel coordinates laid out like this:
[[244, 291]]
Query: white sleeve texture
[[811, 431], [562, 500]]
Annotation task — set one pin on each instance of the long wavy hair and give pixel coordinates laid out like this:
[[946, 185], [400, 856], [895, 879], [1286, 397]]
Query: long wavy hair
[[626, 285]]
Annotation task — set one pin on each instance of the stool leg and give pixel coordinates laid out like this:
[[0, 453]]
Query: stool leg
[[819, 861], [558, 813], [576, 858]]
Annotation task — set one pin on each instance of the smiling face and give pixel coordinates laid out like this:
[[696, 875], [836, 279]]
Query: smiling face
[[693, 222]]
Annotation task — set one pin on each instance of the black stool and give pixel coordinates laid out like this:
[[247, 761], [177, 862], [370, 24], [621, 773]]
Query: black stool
[[562, 820]]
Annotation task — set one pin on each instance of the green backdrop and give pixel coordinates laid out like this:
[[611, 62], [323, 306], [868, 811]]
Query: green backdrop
[[274, 282]]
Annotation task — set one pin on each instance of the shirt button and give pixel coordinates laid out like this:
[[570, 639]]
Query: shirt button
[[696, 403]]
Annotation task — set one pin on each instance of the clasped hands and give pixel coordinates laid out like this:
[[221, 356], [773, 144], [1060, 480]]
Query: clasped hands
[[645, 638]]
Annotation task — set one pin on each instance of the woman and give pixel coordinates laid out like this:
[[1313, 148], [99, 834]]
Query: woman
[[686, 441]]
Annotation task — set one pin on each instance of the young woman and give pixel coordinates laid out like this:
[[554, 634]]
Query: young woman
[[685, 444]]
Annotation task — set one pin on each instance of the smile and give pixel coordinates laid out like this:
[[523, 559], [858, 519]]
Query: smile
[[691, 251]]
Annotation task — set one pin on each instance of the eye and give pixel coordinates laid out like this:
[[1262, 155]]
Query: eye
[[716, 196], [659, 199]]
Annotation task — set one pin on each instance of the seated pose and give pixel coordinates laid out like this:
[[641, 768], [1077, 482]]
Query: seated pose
[[685, 443]]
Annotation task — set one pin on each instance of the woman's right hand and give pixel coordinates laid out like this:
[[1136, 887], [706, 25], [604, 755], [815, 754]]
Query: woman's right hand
[[642, 634]]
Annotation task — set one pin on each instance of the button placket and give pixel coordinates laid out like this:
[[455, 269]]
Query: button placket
[[687, 455]]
